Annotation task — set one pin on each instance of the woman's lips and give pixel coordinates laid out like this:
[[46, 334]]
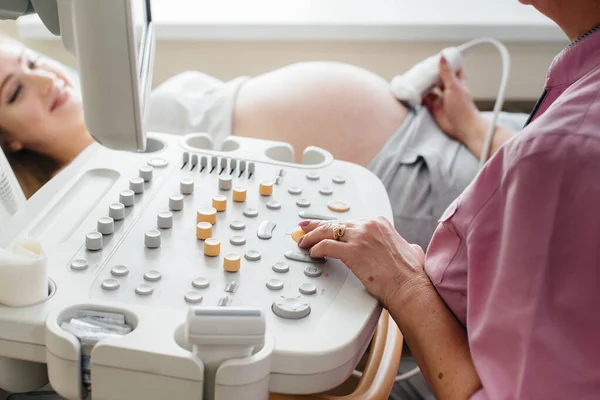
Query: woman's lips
[[61, 98]]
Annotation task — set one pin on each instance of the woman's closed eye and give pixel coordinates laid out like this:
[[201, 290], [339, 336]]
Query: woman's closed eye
[[15, 94], [32, 63]]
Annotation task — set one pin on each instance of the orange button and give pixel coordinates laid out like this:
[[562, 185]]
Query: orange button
[[239, 194], [297, 234], [212, 247], [266, 188], [231, 262], [338, 206], [207, 214], [219, 202], [203, 230]]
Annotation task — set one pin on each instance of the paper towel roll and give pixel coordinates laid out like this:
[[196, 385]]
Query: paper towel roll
[[23, 274]]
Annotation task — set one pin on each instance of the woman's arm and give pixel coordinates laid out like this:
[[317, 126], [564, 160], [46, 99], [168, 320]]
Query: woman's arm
[[453, 108], [474, 136], [436, 339], [392, 270]]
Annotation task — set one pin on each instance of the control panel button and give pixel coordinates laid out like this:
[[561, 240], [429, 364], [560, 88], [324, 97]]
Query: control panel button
[[231, 262], [225, 182], [304, 203], [144, 289], [231, 287], [339, 180], [223, 301], [203, 230], [152, 239], [308, 289], [265, 230], [219, 202], [313, 176], [136, 185], [312, 272], [238, 240], [239, 194], [291, 308], [297, 234], [310, 215], [186, 186], [79, 265], [266, 188], [158, 162], [207, 214], [126, 197], [201, 283], [251, 212], [281, 267], [93, 241], [119, 271], [338, 206], [212, 247], [275, 284], [273, 205], [176, 202], [116, 211], [193, 297], [237, 225], [152, 276], [110, 284], [106, 226], [164, 220], [326, 191], [302, 257], [252, 255], [146, 173]]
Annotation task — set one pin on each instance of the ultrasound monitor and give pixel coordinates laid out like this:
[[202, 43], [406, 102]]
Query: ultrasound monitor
[[114, 43]]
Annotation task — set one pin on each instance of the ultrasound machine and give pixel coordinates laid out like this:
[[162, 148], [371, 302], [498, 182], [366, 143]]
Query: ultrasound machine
[[159, 266]]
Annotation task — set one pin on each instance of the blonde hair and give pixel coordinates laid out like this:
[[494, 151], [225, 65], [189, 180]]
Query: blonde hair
[[31, 168]]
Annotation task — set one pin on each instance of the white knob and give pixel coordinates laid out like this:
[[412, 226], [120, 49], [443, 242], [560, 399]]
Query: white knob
[[93, 241], [176, 202], [116, 211], [225, 182], [165, 220], [106, 225], [137, 185], [146, 173], [126, 198], [186, 186], [152, 239]]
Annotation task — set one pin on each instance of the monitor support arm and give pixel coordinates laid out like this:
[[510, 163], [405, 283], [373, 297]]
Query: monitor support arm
[[47, 10]]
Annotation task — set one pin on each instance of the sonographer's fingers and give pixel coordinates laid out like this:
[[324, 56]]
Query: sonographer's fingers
[[329, 248], [317, 231], [373, 250]]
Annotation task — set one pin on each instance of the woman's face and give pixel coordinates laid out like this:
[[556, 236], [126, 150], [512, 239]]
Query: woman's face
[[38, 105]]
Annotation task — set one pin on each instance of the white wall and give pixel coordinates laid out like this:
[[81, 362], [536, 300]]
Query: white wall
[[228, 59]]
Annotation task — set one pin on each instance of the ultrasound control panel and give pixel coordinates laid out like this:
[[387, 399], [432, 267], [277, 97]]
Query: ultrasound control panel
[[158, 235]]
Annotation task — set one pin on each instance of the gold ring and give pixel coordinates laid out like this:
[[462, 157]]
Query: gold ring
[[338, 231]]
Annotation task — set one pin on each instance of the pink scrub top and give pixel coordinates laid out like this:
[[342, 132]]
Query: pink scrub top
[[517, 256]]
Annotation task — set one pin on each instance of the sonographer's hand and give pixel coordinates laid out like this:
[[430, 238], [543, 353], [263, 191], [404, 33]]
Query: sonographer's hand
[[452, 106], [384, 262]]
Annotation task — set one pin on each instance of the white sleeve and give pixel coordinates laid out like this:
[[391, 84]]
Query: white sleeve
[[193, 102]]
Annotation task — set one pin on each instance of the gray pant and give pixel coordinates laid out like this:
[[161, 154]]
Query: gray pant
[[424, 170]]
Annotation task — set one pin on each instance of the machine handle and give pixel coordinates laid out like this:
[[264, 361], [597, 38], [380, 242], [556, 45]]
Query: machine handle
[[380, 370]]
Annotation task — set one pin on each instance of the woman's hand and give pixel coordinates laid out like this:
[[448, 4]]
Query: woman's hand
[[453, 108], [384, 262]]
